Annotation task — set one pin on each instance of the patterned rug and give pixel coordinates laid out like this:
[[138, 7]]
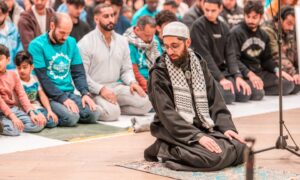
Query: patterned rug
[[232, 173], [82, 132]]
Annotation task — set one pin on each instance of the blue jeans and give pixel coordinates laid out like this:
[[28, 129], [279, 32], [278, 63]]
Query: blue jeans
[[10, 130], [50, 123], [68, 118]]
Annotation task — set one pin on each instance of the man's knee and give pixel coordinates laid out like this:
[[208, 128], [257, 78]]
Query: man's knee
[[68, 119], [257, 95], [89, 116], [110, 113], [145, 106], [241, 97], [287, 87]]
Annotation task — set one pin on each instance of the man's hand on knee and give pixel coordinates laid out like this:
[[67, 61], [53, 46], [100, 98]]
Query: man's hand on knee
[[86, 100], [108, 95], [210, 144], [233, 135], [71, 105]]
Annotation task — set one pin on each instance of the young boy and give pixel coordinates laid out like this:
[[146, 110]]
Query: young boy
[[13, 118], [33, 89]]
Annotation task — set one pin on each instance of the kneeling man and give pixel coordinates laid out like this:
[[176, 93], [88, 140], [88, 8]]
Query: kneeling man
[[193, 126]]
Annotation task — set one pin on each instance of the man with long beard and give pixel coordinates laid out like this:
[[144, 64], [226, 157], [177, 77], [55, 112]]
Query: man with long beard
[[108, 67], [57, 63], [193, 126]]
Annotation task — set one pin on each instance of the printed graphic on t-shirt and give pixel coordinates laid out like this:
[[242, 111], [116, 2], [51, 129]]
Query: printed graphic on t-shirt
[[59, 66]]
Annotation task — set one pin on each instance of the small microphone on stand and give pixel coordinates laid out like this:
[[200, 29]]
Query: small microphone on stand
[[249, 158]]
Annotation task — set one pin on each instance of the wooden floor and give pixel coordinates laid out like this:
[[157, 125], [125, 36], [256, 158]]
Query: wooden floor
[[95, 159]]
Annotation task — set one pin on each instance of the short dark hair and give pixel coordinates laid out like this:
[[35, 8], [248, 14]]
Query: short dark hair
[[76, 2], [117, 2], [3, 7], [254, 6], [55, 19], [285, 12], [170, 3], [97, 9], [218, 2], [165, 16], [145, 20], [4, 50], [21, 57]]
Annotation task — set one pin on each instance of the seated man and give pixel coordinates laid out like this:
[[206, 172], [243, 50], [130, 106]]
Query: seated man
[[253, 52], [106, 58], [232, 12], [193, 126], [209, 38], [57, 64], [162, 19], [193, 13], [149, 9], [288, 48], [80, 28], [144, 48]]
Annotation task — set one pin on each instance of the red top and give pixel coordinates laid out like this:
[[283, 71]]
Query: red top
[[10, 85]]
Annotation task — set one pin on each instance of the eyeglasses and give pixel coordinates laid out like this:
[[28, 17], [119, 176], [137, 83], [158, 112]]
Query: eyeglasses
[[173, 46]]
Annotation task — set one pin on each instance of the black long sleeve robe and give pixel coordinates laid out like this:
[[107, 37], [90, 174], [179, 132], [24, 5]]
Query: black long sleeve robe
[[177, 139]]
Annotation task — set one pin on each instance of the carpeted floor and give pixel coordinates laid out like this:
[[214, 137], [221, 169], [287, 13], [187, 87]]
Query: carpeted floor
[[81, 131], [232, 173]]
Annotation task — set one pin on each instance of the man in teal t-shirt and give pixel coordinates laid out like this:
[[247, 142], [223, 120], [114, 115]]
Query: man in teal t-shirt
[[58, 64], [144, 48], [149, 9]]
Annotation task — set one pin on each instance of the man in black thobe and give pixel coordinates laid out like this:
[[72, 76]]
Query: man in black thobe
[[193, 126]]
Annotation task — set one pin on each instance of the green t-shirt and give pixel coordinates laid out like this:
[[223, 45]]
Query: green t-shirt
[[57, 59]]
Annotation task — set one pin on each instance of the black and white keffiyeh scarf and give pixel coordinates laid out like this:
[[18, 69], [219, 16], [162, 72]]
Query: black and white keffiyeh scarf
[[182, 94], [150, 49]]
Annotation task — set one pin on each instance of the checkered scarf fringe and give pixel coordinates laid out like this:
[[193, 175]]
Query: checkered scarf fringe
[[151, 50], [182, 94]]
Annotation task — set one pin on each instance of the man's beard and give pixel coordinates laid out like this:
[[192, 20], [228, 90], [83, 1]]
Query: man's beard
[[57, 41], [252, 26], [107, 27], [181, 59]]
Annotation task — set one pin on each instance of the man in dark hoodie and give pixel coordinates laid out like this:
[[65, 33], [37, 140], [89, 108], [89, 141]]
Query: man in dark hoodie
[[253, 52], [232, 12], [34, 22], [209, 38]]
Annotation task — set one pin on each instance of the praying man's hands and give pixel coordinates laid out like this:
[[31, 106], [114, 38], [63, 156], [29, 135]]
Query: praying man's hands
[[256, 81], [210, 144], [135, 87], [233, 135], [86, 100], [108, 95], [243, 85], [227, 85], [71, 105]]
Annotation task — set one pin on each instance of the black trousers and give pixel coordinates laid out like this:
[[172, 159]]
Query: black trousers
[[271, 84]]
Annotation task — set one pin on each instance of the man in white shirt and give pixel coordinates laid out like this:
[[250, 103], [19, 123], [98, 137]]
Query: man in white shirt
[[106, 59]]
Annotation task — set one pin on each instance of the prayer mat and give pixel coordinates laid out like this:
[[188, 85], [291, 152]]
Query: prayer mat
[[231, 173], [82, 132]]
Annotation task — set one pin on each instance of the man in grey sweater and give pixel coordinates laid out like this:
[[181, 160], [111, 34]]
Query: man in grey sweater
[[107, 63]]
